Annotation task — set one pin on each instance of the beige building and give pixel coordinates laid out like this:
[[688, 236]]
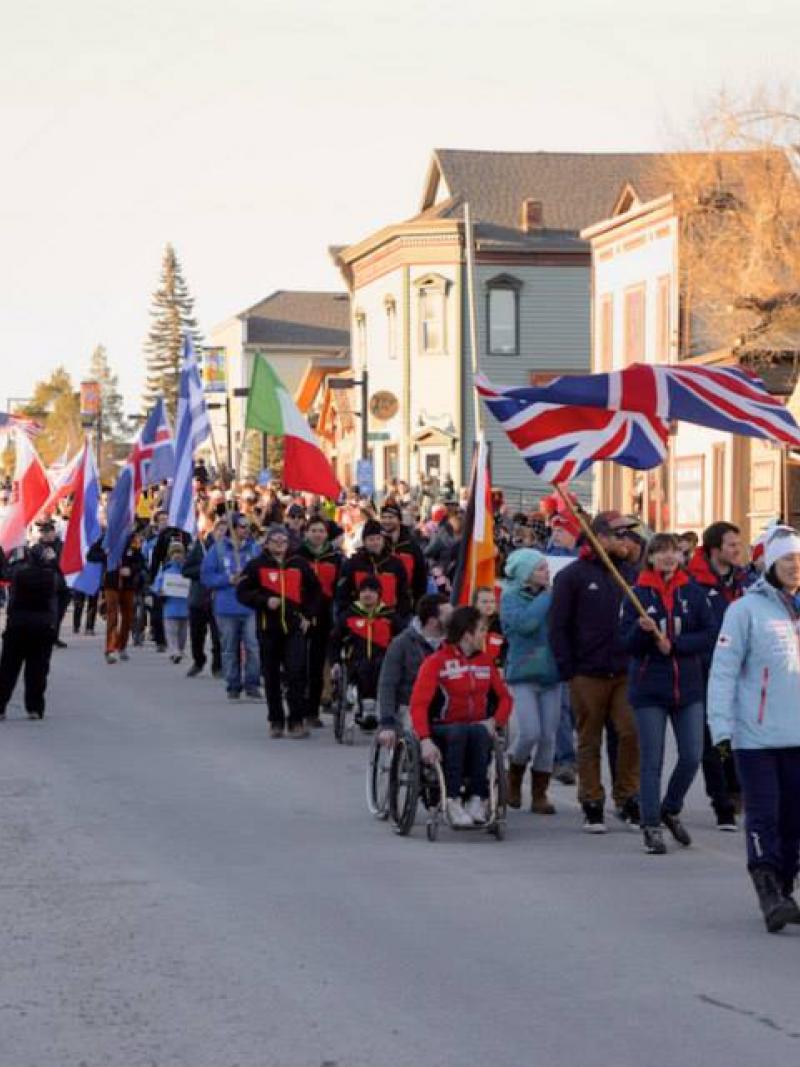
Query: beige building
[[637, 316], [410, 315], [305, 336]]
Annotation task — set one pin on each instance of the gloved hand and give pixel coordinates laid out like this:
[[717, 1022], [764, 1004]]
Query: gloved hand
[[490, 726], [430, 753], [724, 749]]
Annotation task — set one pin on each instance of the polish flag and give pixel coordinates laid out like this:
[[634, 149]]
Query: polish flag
[[31, 489]]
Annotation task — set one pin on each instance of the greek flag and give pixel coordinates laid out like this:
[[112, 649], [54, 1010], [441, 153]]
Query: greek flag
[[192, 428]]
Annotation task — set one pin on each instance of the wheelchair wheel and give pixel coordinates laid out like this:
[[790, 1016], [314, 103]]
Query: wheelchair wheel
[[498, 782], [404, 783], [379, 767]]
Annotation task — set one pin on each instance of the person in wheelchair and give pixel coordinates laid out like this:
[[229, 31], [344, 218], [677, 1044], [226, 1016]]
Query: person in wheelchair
[[404, 658], [458, 701], [362, 636]]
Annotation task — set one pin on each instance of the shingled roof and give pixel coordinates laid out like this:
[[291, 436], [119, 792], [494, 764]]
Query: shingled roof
[[576, 188], [296, 319]]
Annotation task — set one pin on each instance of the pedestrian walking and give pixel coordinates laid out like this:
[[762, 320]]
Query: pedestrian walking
[[201, 614], [120, 588], [753, 713], [666, 683], [173, 589], [532, 677], [35, 588], [587, 645]]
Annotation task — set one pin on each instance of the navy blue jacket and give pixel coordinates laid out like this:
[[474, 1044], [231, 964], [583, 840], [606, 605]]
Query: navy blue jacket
[[677, 679], [584, 620], [721, 592]]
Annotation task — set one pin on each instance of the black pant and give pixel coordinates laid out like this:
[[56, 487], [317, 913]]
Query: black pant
[[715, 777], [64, 598], [770, 780], [318, 640], [157, 622], [285, 656], [79, 600], [201, 620], [139, 624], [364, 672], [33, 648]]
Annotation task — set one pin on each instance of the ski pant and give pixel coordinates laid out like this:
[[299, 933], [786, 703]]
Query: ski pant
[[364, 673], [285, 655], [770, 780], [79, 601], [31, 647], [467, 749], [718, 780], [319, 637], [201, 620]]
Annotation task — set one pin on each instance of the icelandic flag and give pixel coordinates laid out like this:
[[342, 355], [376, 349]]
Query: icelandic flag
[[192, 427], [83, 528], [151, 460], [560, 441]]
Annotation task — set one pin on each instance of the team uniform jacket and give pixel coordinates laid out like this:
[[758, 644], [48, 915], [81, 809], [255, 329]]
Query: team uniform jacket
[[496, 644], [682, 613], [293, 582], [454, 688], [389, 571], [408, 551], [327, 566], [721, 592], [366, 633]]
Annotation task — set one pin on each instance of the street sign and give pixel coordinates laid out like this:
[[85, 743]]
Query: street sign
[[379, 435], [365, 476], [264, 477]]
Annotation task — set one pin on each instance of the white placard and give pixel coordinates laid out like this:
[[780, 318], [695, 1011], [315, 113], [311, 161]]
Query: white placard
[[176, 585]]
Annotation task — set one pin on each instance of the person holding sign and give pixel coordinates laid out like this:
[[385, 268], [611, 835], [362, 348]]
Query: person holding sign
[[174, 589]]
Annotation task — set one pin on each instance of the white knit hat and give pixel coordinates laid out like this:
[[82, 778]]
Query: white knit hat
[[782, 541]]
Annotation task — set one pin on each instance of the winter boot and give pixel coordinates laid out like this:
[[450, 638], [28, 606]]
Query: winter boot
[[776, 909], [788, 890], [516, 772], [540, 805]]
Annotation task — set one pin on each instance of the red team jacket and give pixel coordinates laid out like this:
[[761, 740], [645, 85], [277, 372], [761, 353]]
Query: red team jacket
[[454, 688]]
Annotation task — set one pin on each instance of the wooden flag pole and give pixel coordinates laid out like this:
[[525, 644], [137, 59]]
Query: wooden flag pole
[[601, 552]]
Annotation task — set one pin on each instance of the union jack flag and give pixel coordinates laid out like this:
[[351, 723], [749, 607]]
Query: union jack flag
[[19, 422], [560, 441], [722, 398]]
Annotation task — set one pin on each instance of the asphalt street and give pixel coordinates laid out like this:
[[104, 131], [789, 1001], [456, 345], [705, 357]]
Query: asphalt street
[[179, 890]]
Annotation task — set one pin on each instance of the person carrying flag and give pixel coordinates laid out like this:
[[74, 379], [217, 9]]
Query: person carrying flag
[[285, 593]]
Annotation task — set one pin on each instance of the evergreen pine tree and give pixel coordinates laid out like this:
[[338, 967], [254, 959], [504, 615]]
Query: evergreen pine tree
[[172, 312]]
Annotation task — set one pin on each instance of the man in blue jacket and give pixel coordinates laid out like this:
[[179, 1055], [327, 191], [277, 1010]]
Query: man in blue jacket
[[222, 566], [587, 645]]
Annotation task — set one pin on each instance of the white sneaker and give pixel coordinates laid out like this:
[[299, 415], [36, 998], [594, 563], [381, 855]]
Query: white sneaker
[[477, 809], [456, 814]]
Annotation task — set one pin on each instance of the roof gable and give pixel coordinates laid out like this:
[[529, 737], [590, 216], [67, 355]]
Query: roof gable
[[296, 319]]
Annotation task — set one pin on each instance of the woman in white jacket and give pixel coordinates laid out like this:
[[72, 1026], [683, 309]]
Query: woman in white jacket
[[754, 711]]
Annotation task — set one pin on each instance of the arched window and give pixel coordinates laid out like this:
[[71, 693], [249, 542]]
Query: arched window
[[432, 306], [502, 315]]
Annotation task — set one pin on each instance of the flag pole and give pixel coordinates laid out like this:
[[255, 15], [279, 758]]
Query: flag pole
[[469, 244], [601, 552]]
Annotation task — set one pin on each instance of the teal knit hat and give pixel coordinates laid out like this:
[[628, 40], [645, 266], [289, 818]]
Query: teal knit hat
[[520, 564]]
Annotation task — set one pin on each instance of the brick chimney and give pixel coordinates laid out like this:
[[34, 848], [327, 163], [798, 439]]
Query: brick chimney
[[531, 215]]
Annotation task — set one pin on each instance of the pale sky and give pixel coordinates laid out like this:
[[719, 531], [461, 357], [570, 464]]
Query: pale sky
[[253, 134]]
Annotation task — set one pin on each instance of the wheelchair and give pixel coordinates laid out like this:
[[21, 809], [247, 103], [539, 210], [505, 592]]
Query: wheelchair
[[411, 781], [379, 768], [347, 707]]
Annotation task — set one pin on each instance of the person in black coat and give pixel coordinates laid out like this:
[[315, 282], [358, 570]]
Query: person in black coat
[[590, 655], [201, 614], [36, 586], [666, 683]]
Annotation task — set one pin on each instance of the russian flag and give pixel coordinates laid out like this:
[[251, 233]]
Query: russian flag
[[83, 528]]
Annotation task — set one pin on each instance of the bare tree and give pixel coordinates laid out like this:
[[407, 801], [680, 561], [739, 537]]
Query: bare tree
[[738, 198]]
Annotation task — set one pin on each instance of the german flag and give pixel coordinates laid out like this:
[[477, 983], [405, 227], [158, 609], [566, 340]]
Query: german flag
[[476, 556]]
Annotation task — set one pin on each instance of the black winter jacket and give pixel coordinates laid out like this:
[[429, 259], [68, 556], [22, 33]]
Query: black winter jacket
[[399, 672], [36, 584], [584, 620]]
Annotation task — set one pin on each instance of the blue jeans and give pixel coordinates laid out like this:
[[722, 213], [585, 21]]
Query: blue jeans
[[770, 780], [236, 631], [537, 713], [687, 725]]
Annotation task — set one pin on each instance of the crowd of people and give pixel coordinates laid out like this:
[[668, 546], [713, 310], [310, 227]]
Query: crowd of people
[[590, 643]]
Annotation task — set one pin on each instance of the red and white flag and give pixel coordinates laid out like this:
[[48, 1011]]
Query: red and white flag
[[31, 489]]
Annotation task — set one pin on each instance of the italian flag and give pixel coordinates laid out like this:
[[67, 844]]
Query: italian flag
[[271, 410]]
